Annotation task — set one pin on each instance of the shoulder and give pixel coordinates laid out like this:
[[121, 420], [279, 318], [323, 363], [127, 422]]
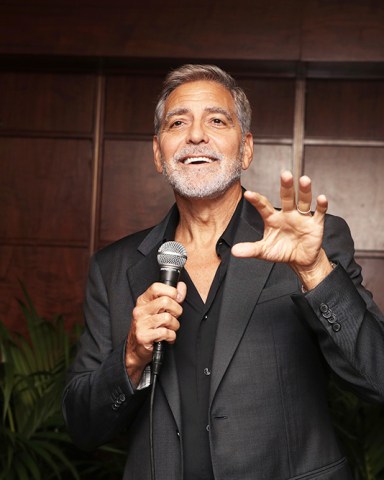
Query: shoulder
[[116, 258], [128, 243], [339, 245], [337, 229], [121, 253]]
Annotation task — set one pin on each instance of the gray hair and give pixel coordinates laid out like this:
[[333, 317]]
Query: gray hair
[[192, 73]]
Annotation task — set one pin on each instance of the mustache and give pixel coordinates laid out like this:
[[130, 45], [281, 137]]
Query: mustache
[[197, 151]]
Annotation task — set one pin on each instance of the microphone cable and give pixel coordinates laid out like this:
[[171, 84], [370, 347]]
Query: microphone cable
[[151, 445]]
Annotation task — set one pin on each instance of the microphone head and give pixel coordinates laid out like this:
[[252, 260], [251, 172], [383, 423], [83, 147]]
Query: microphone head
[[172, 254]]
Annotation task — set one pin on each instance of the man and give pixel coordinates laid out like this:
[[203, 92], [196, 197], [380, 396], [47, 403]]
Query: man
[[268, 302]]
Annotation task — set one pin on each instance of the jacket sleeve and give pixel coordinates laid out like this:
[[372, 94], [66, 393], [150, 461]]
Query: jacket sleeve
[[348, 324], [99, 400]]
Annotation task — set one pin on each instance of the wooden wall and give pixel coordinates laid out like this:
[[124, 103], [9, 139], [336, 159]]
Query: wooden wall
[[327, 30], [78, 85]]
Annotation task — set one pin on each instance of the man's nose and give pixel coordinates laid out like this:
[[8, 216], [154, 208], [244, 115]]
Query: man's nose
[[197, 133]]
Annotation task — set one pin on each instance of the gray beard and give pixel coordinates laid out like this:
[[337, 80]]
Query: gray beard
[[183, 183]]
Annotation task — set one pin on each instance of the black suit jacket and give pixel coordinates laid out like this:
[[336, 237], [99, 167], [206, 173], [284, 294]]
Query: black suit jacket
[[274, 347]]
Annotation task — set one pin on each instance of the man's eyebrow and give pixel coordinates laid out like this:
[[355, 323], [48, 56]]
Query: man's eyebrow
[[223, 111], [176, 111]]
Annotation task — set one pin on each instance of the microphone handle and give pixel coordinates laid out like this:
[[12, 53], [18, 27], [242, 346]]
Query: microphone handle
[[169, 276]]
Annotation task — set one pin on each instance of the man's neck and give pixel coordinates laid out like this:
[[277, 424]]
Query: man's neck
[[202, 221]]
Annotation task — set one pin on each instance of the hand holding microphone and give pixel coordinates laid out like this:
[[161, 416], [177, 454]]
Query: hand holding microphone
[[155, 316], [171, 258]]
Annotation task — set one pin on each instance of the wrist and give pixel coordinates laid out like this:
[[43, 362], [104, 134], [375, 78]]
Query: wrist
[[134, 366], [311, 275]]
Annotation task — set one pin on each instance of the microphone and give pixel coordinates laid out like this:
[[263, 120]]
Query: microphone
[[171, 258]]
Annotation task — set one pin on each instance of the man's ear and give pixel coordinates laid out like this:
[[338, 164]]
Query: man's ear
[[157, 154], [247, 151]]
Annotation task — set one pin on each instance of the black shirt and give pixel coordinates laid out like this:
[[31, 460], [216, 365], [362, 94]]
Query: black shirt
[[193, 349]]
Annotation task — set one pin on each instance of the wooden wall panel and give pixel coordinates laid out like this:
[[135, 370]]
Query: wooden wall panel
[[199, 29], [263, 175], [134, 195], [343, 30], [45, 190], [130, 103], [321, 30], [345, 109], [272, 101], [52, 102], [53, 276], [352, 179], [373, 274]]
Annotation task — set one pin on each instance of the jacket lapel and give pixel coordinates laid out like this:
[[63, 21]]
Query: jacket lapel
[[244, 282]]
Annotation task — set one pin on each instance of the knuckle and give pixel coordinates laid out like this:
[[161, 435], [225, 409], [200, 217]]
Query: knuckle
[[140, 338], [163, 303], [162, 333], [144, 337], [167, 318], [156, 289], [171, 336], [136, 312]]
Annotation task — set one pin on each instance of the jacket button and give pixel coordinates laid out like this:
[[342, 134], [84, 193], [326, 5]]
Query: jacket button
[[324, 308], [208, 427], [121, 398], [336, 327], [332, 319]]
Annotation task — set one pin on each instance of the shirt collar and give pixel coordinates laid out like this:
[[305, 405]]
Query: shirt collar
[[228, 235]]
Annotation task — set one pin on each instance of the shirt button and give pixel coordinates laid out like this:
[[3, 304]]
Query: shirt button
[[208, 427], [205, 317], [207, 371]]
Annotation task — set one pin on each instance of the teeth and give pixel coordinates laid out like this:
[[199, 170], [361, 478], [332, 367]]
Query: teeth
[[190, 160]]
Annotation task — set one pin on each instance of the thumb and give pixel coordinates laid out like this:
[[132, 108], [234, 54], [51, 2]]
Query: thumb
[[245, 250], [181, 292]]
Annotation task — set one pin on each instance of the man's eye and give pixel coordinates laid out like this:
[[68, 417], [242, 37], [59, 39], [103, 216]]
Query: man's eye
[[176, 123], [218, 121]]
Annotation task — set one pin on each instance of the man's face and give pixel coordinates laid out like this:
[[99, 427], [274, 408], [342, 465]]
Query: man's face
[[200, 148]]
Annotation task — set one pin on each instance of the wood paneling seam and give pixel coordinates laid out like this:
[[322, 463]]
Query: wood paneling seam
[[96, 161], [298, 129]]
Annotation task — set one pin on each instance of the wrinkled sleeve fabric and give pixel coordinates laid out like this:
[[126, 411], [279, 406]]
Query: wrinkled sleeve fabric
[[348, 324], [99, 401]]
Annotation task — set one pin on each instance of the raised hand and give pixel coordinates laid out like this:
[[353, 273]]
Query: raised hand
[[292, 235]]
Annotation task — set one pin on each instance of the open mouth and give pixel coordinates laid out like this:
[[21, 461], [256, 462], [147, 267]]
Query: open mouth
[[197, 160]]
